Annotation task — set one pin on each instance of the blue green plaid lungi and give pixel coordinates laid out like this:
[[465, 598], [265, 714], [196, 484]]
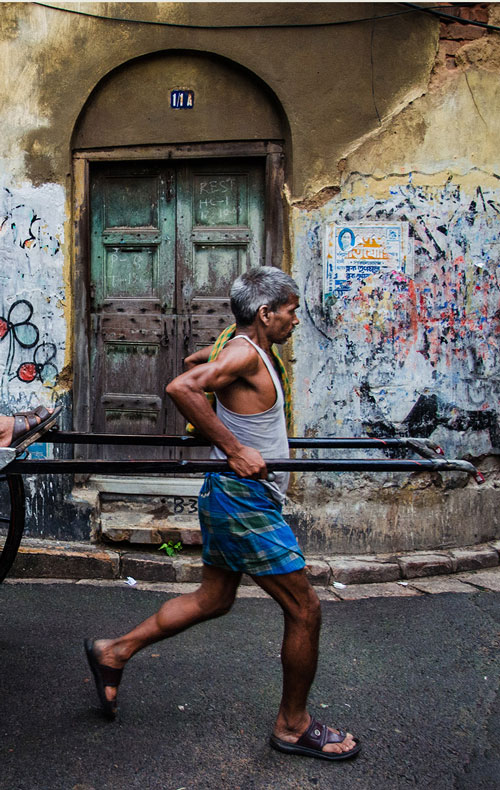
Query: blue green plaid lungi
[[243, 528]]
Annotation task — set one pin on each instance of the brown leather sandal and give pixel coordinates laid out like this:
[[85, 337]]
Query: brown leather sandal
[[31, 425], [311, 742]]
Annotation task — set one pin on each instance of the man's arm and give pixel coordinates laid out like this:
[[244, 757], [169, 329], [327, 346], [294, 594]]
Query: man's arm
[[198, 358], [188, 393]]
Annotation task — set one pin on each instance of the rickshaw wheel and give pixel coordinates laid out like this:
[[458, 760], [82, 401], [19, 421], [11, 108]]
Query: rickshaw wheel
[[12, 517]]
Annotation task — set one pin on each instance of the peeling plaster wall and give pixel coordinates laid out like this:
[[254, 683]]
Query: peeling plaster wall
[[33, 220], [409, 356], [32, 295], [33, 331], [395, 119], [400, 356]]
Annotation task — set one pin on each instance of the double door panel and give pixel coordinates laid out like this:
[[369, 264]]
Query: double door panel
[[167, 240]]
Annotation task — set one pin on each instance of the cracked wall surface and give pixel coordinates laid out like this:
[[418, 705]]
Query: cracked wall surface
[[401, 355]]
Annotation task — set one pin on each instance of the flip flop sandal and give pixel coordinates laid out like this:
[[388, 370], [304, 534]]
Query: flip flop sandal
[[311, 742], [103, 676], [23, 436]]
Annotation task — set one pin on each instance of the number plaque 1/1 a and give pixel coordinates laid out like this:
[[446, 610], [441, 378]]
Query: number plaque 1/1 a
[[182, 100]]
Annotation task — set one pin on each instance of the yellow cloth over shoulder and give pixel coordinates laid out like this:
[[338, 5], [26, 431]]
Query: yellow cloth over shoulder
[[219, 344]]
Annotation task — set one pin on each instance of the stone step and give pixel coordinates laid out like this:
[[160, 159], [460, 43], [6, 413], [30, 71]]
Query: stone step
[[348, 577], [146, 485], [137, 527]]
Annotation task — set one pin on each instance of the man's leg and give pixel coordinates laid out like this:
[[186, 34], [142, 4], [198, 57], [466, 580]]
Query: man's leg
[[212, 599], [299, 654]]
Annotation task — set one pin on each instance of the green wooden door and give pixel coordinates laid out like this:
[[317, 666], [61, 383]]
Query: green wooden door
[[167, 240]]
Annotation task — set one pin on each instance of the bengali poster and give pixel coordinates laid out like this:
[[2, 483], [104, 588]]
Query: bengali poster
[[356, 252]]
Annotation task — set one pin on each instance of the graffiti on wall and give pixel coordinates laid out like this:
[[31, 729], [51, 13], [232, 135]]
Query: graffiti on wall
[[22, 332], [392, 340], [32, 327], [24, 227]]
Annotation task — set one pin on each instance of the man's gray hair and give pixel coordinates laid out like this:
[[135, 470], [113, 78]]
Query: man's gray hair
[[264, 285]]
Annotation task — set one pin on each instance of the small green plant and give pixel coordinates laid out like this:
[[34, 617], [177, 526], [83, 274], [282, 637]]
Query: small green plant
[[171, 548]]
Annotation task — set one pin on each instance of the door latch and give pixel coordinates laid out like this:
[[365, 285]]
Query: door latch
[[187, 334], [165, 340], [170, 190]]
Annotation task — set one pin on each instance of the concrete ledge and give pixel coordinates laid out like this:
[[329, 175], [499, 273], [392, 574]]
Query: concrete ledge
[[387, 590], [63, 560], [50, 559], [470, 583], [363, 570], [420, 564], [187, 570], [148, 567], [433, 585], [474, 558], [319, 573], [484, 580]]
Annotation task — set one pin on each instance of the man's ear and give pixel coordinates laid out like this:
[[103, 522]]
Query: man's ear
[[263, 313]]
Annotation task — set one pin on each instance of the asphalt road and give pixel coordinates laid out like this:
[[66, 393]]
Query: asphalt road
[[417, 679]]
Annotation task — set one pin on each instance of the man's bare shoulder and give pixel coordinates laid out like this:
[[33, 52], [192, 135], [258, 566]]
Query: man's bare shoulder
[[240, 353]]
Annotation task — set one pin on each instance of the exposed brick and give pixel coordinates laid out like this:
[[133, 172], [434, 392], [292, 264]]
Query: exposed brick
[[474, 558], [461, 32], [450, 47], [363, 570], [478, 13], [417, 565], [148, 567]]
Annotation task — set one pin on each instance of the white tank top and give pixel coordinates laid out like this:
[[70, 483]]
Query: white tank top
[[264, 431]]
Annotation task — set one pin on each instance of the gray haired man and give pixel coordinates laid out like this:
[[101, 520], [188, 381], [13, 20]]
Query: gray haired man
[[240, 513]]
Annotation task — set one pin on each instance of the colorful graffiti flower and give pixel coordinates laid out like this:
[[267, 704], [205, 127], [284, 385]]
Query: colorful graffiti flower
[[23, 332], [41, 367]]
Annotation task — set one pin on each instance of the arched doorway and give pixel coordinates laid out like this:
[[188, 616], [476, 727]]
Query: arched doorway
[[178, 179]]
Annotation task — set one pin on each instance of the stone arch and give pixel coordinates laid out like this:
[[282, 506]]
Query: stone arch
[[131, 105]]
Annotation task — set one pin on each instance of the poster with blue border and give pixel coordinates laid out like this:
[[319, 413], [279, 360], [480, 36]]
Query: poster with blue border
[[356, 252]]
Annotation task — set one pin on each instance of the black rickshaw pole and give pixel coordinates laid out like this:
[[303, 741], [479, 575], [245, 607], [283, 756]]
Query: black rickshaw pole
[[92, 466]]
